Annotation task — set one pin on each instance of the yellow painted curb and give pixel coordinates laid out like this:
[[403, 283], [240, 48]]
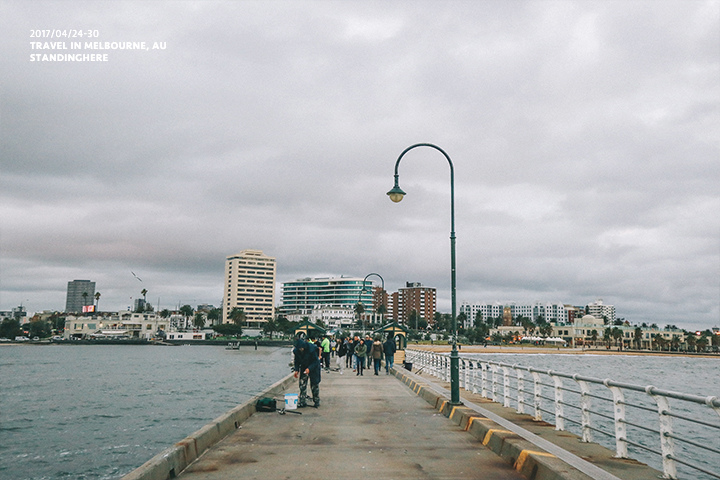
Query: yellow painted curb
[[522, 458], [471, 420], [490, 433]]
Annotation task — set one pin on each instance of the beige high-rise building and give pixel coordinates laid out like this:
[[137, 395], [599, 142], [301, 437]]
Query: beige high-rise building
[[250, 285]]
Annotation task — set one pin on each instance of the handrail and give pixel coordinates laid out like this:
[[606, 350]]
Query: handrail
[[591, 408]]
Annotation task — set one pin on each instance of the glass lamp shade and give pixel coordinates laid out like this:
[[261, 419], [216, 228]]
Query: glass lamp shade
[[396, 194]]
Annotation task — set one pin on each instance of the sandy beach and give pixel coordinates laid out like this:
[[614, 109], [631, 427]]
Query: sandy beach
[[531, 349]]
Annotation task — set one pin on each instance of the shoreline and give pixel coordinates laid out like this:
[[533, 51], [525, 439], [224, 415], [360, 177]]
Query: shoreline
[[533, 350]]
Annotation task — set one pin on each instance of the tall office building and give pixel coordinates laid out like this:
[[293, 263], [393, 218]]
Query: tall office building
[[250, 285], [79, 294]]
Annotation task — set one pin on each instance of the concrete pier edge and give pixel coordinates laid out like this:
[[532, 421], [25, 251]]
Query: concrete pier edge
[[170, 462], [528, 459]]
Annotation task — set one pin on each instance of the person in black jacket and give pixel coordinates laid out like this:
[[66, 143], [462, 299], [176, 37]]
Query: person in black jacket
[[307, 366], [389, 350], [342, 351]]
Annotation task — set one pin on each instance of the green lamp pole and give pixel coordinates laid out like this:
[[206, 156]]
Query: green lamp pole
[[383, 285], [396, 195]]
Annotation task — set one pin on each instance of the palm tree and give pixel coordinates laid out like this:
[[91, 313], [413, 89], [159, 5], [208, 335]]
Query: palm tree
[[594, 336], [199, 320], [97, 300], [617, 335], [187, 312], [238, 316], [85, 295], [478, 319], [659, 341], [607, 336], [359, 310], [638, 337], [214, 315], [269, 328], [691, 341], [382, 310]]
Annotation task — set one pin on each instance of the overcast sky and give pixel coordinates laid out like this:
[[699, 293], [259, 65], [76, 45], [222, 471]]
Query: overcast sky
[[585, 138]]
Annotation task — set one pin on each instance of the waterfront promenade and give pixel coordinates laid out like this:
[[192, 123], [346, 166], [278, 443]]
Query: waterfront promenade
[[394, 427]]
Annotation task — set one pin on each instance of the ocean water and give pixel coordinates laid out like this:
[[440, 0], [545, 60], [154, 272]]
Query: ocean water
[[100, 411], [690, 375]]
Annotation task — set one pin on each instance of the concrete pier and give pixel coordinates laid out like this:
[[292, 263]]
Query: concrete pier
[[397, 426]]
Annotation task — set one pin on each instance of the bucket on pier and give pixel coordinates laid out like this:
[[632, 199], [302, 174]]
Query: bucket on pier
[[291, 401]]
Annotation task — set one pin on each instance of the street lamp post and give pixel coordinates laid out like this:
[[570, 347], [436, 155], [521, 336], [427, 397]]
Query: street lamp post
[[363, 287], [396, 195], [381, 280]]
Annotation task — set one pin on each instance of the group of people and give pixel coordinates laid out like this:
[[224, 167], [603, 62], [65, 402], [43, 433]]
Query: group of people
[[311, 357]]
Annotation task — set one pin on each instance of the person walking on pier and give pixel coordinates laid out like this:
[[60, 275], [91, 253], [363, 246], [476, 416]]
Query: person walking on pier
[[307, 367], [325, 350], [350, 352], [389, 349], [342, 351], [360, 352], [368, 347], [376, 354]]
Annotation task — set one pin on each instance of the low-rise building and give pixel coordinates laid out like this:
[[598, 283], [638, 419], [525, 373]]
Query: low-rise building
[[115, 325]]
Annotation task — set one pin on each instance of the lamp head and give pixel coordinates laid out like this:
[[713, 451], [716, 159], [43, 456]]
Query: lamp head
[[396, 194]]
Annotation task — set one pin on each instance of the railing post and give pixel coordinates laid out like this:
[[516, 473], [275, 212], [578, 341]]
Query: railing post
[[494, 383], [621, 450], [585, 404], [559, 413], [483, 379], [520, 389], [468, 378], [473, 375], [667, 444], [537, 400], [506, 386]]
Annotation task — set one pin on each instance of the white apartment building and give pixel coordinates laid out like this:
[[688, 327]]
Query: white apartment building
[[551, 312], [599, 310], [250, 285]]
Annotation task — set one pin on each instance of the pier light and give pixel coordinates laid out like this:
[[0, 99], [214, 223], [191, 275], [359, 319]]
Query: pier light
[[396, 195]]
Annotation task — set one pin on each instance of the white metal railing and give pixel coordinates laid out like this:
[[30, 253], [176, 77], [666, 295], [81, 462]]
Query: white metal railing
[[597, 406]]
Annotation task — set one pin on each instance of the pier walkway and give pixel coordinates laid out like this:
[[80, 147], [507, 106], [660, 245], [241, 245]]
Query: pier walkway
[[367, 427], [397, 426]]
